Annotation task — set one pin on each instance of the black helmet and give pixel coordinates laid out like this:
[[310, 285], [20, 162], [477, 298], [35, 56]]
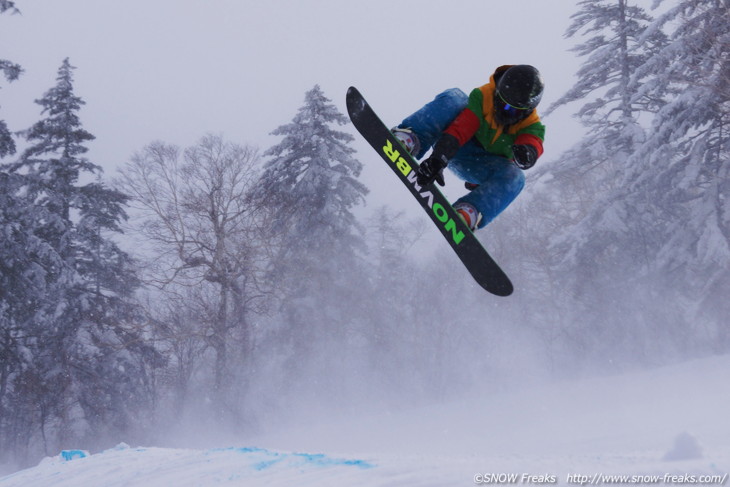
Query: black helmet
[[520, 87]]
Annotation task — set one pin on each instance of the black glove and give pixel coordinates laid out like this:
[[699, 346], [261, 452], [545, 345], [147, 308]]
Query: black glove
[[525, 155], [432, 169]]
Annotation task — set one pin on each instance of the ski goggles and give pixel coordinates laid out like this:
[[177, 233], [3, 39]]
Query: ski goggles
[[511, 110]]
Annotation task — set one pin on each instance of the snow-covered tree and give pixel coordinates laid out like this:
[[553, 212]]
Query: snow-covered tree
[[614, 46], [8, 246], [79, 215], [310, 188], [590, 173], [605, 244], [311, 179], [83, 361], [650, 235], [25, 262], [10, 72], [687, 154], [311, 182]]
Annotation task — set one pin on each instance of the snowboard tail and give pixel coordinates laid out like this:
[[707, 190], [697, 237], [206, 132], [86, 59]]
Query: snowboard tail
[[467, 247]]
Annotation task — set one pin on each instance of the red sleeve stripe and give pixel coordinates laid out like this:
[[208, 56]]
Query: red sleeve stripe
[[464, 126], [533, 140]]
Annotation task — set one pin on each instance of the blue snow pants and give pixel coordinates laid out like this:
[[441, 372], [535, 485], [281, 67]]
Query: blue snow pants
[[499, 180]]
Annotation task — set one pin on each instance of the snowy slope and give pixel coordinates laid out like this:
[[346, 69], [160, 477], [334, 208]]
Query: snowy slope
[[666, 426]]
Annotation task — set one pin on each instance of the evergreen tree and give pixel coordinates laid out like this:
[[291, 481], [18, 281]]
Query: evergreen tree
[[606, 243], [311, 180], [592, 172], [85, 362], [310, 188], [687, 154], [18, 282], [25, 262], [10, 71], [657, 222], [615, 47]]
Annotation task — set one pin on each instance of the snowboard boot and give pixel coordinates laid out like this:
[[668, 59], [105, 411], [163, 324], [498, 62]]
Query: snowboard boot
[[469, 214], [408, 138]]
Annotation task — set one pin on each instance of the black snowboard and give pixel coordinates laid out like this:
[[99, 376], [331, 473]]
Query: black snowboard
[[476, 260]]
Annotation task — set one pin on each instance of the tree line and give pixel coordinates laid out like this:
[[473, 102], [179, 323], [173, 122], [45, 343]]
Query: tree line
[[634, 258]]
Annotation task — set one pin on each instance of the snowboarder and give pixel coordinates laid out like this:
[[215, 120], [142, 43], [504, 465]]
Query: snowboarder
[[487, 139]]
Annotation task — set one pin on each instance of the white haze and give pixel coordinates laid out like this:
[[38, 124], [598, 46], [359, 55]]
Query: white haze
[[665, 426]]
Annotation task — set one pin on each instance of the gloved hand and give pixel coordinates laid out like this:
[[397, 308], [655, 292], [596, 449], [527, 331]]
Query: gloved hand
[[430, 170], [525, 155]]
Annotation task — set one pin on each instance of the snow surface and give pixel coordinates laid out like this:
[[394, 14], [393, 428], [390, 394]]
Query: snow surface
[[666, 426]]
